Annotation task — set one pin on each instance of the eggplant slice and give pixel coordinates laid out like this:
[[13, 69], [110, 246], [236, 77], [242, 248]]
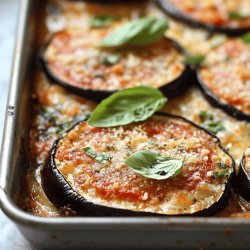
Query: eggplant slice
[[73, 60], [225, 78], [244, 176], [74, 179], [213, 19]]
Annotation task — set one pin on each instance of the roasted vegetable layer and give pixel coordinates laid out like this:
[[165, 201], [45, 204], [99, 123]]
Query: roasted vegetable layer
[[228, 13], [201, 188], [227, 16], [73, 59], [225, 77]]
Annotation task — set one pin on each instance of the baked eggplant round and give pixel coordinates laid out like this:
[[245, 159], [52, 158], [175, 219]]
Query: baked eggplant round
[[73, 178], [244, 176], [227, 17], [73, 60], [225, 78]]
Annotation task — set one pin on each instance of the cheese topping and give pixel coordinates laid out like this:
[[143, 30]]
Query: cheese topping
[[227, 73], [74, 58], [114, 184], [217, 12], [76, 15]]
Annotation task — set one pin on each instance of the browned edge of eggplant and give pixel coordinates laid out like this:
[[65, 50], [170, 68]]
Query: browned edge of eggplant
[[243, 180], [216, 101], [61, 194], [171, 89], [176, 14]]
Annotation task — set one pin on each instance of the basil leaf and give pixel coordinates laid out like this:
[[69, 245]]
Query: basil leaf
[[214, 127], [102, 21], [102, 158], [237, 16], [205, 116], [142, 31], [222, 165], [210, 123], [220, 174], [246, 37], [110, 59], [127, 106], [153, 166], [194, 60]]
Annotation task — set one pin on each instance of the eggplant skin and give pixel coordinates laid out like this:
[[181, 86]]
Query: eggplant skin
[[171, 89], [216, 101], [243, 180], [175, 13], [61, 194]]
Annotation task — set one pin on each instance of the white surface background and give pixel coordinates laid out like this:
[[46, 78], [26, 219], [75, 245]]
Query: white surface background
[[10, 238]]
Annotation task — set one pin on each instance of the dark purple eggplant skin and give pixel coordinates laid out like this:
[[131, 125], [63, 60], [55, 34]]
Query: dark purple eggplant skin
[[216, 101], [171, 90], [175, 13], [61, 194], [243, 180]]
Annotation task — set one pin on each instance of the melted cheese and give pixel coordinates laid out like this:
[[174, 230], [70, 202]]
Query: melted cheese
[[76, 15], [226, 73], [74, 57], [216, 12], [114, 184]]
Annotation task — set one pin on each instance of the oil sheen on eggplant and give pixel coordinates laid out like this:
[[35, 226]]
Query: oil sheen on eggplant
[[210, 16], [224, 77], [244, 176], [72, 178], [72, 59]]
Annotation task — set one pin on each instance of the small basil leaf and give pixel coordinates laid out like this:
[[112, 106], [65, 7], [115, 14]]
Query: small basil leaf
[[246, 37], [194, 60], [222, 165], [127, 106], [142, 31], [214, 127], [98, 75], [205, 116], [151, 165], [237, 16], [110, 59], [210, 123], [102, 158], [102, 21], [220, 174], [89, 151]]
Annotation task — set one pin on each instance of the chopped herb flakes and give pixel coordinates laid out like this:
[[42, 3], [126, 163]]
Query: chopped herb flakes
[[210, 123], [110, 59], [102, 21], [102, 158]]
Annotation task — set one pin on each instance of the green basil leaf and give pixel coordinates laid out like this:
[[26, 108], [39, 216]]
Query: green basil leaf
[[153, 166], [220, 174], [194, 60], [142, 31], [214, 127], [127, 106], [102, 21], [222, 165], [205, 116], [237, 16], [102, 158], [246, 37], [210, 123], [110, 59]]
